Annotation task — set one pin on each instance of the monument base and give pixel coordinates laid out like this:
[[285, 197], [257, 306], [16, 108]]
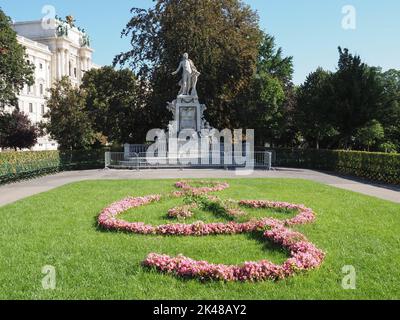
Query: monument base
[[188, 113]]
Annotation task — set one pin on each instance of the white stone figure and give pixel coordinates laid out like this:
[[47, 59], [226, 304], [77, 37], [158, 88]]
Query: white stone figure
[[190, 76], [195, 76]]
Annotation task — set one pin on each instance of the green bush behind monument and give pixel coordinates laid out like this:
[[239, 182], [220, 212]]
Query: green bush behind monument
[[380, 167], [16, 166]]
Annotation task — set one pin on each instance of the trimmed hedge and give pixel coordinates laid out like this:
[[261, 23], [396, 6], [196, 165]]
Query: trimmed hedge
[[16, 166], [380, 167]]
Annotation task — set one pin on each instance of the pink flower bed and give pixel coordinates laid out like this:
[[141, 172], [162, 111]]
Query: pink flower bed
[[214, 187], [303, 254], [182, 212], [305, 215]]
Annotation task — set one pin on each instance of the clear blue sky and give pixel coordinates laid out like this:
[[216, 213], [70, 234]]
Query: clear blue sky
[[309, 30]]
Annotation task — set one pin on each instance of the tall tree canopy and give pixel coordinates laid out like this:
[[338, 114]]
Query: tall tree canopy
[[222, 37], [313, 115], [114, 104], [15, 71], [264, 104], [350, 108], [389, 114], [358, 96], [68, 122]]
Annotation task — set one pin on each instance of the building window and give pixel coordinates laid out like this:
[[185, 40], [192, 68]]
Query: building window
[[41, 89], [41, 66], [42, 108], [31, 107], [75, 74], [70, 69], [29, 89]]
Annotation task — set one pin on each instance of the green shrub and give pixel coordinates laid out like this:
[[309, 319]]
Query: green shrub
[[381, 167], [16, 166]]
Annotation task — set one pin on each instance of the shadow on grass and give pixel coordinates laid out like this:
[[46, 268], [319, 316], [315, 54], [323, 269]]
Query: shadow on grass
[[258, 236], [268, 245], [216, 210]]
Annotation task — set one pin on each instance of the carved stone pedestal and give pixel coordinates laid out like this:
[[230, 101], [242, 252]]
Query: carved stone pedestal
[[188, 113]]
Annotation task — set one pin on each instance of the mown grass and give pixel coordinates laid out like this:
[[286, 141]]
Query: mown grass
[[59, 228]]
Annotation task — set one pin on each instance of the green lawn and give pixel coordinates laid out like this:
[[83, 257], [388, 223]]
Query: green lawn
[[59, 228]]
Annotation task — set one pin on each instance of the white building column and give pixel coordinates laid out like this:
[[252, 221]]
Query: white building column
[[66, 63], [59, 64], [47, 69], [62, 53], [83, 64], [53, 69]]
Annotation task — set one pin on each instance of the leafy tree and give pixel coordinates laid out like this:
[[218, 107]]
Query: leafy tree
[[388, 147], [17, 131], [389, 115], [358, 95], [371, 134], [15, 71], [222, 37], [313, 117], [265, 104], [356, 106], [68, 121], [113, 103]]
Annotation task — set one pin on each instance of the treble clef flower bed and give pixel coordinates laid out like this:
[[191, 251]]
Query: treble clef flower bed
[[303, 254]]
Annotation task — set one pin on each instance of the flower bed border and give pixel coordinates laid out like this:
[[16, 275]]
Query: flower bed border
[[303, 254]]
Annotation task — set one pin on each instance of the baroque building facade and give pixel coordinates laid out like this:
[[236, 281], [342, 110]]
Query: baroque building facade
[[56, 50]]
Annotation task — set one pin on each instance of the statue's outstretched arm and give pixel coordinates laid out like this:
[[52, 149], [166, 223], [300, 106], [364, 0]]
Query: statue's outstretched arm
[[177, 70]]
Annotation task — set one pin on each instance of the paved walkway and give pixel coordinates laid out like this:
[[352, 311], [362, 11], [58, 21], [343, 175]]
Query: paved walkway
[[16, 191]]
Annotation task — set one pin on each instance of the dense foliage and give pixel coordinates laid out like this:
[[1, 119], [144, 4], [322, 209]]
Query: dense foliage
[[222, 38], [265, 105], [356, 107], [15, 70], [17, 131], [381, 167], [15, 166], [246, 82], [68, 122], [114, 105]]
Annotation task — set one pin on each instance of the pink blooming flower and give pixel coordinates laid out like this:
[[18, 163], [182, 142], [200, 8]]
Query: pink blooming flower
[[182, 212], [305, 215], [303, 254], [216, 186], [229, 206]]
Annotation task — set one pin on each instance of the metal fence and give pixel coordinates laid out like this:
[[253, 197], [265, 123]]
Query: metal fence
[[138, 161]]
